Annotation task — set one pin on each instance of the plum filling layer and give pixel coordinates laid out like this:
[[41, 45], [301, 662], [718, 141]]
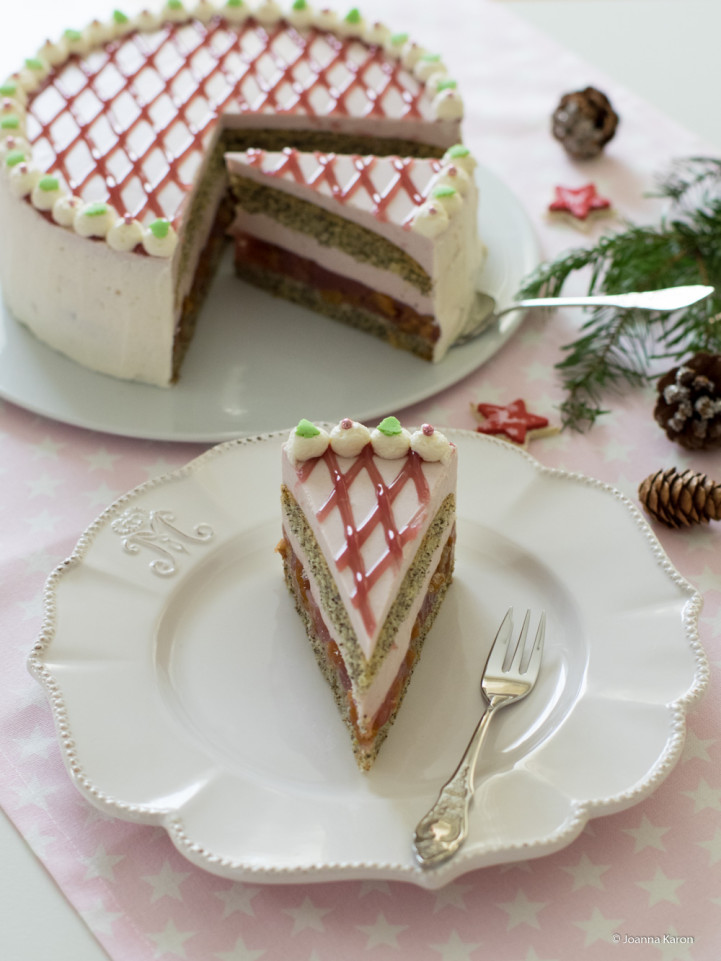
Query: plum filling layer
[[331, 658], [331, 287]]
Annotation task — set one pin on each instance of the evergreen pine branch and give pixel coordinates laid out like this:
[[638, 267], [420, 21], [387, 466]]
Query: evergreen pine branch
[[616, 348]]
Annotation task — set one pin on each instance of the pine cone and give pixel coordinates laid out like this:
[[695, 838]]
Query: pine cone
[[680, 500], [584, 122], [689, 402]]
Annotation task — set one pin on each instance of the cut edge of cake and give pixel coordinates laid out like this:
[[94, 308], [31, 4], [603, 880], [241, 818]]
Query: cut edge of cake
[[367, 644]]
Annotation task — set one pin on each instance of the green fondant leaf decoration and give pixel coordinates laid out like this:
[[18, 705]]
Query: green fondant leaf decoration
[[119, 17], [398, 39], [10, 122], [458, 150], [175, 4], [96, 209], [234, 3], [448, 84], [14, 157], [430, 57], [299, 5], [72, 35], [159, 228], [32, 63], [306, 429], [353, 16], [390, 426], [49, 183], [8, 89], [443, 191]]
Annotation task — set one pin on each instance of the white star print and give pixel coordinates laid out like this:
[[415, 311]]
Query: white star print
[[102, 864], [704, 797], [237, 898], [522, 911], [241, 952], [381, 932], [661, 888], [532, 956], [166, 883], [455, 949], [713, 847], [39, 842], [33, 791], [101, 459], [647, 835], [614, 450], [170, 940], [35, 744], [99, 918], [598, 927], [43, 485], [102, 496], [42, 523], [160, 467], [695, 748], [679, 951], [451, 895], [39, 562], [307, 916], [587, 874], [47, 448], [707, 580], [367, 887]]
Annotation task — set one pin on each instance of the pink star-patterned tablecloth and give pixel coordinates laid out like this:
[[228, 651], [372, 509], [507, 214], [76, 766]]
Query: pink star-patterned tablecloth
[[649, 876]]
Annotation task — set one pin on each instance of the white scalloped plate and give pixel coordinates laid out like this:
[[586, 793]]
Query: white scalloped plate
[[185, 693]]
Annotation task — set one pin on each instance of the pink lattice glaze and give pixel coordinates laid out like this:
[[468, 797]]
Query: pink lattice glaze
[[128, 122], [375, 183]]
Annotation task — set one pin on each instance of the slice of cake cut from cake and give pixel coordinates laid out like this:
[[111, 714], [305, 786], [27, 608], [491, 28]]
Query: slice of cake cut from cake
[[386, 244], [368, 550]]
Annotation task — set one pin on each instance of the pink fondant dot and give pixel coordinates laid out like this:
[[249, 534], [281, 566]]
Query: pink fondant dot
[[346, 423], [428, 430]]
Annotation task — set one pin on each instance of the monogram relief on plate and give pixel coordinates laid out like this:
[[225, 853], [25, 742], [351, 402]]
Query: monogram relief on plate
[[156, 531]]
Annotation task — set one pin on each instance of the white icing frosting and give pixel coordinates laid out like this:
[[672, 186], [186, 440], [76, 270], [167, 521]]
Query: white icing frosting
[[450, 200], [33, 74], [88, 223], [235, 14], [348, 28], [326, 19], [11, 107], [204, 11], [65, 209], [430, 219], [377, 33], [268, 12], [174, 13], [411, 54], [78, 41], [302, 17], [303, 448], [54, 52], [23, 178], [18, 93], [147, 20], [44, 199], [98, 32], [391, 446], [435, 80], [349, 441], [430, 444], [463, 159], [451, 175], [448, 105], [426, 66], [13, 142], [160, 246], [395, 45], [125, 234]]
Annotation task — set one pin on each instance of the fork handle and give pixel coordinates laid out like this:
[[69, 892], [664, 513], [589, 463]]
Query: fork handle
[[441, 832]]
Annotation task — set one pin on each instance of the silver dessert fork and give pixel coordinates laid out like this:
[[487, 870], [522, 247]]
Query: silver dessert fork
[[442, 831]]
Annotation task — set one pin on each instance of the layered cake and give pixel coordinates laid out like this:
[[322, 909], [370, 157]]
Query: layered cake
[[112, 141], [386, 244], [368, 549]]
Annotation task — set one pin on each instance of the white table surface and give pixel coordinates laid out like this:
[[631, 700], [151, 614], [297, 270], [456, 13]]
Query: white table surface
[[654, 48]]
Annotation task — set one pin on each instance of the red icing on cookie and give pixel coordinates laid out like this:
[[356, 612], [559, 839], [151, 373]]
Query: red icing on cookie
[[579, 203], [513, 420]]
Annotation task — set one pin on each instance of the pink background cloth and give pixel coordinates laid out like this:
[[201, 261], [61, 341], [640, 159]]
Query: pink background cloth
[[650, 871]]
